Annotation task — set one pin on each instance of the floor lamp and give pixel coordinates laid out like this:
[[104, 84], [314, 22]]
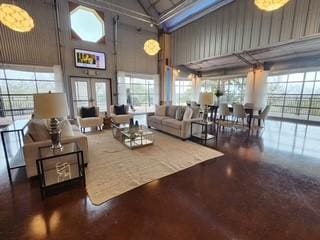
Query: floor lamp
[[52, 106]]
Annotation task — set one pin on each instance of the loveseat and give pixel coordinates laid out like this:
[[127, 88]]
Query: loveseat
[[168, 123], [37, 136]]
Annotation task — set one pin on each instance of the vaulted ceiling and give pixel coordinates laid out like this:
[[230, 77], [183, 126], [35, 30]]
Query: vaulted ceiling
[[172, 14]]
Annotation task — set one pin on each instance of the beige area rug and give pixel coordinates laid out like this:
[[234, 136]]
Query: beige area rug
[[113, 169]]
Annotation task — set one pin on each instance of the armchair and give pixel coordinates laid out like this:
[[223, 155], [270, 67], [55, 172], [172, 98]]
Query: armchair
[[120, 119], [90, 122]]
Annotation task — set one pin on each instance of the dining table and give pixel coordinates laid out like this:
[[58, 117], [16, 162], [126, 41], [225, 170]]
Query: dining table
[[213, 111]]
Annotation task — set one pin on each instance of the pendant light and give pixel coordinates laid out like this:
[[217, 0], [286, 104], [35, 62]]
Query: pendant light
[[151, 47], [15, 18], [270, 5]]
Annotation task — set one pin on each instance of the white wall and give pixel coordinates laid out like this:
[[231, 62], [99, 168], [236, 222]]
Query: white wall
[[256, 88], [40, 46]]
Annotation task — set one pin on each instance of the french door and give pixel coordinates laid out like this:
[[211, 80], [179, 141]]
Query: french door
[[88, 92]]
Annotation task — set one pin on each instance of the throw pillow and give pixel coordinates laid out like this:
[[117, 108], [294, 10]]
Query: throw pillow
[[38, 131], [171, 111], [187, 114], [195, 112], [120, 110], [179, 113], [66, 129], [86, 112], [160, 110]]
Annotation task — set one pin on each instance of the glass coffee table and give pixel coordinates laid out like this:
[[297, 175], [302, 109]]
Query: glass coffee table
[[133, 137]]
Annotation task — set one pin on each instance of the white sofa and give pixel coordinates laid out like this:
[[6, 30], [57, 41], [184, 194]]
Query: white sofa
[[31, 147], [169, 124]]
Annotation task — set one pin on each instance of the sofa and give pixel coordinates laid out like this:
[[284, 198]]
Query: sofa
[[37, 136], [168, 123], [121, 118], [94, 121]]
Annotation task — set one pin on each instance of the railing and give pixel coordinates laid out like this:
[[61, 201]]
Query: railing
[[16, 104], [294, 104]]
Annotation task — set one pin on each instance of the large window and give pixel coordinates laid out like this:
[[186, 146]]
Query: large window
[[295, 95], [17, 88], [182, 91], [140, 92], [87, 24], [233, 89]]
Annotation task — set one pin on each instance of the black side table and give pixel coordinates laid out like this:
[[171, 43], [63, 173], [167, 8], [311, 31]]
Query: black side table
[[202, 133], [15, 160], [56, 169]]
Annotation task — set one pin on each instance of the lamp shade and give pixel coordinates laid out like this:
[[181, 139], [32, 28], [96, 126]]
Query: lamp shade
[[50, 105], [206, 98]]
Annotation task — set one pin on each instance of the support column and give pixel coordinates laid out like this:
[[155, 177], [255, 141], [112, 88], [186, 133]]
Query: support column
[[166, 72], [256, 88]]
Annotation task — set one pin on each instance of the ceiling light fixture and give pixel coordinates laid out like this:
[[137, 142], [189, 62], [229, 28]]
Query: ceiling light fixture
[[15, 18], [270, 5], [151, 47]]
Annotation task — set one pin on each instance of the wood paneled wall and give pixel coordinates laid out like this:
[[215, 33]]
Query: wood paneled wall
[[242, 26]]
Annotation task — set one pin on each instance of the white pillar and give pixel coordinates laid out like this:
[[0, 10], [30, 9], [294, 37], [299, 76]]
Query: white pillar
[[196, 85], [256, 88]]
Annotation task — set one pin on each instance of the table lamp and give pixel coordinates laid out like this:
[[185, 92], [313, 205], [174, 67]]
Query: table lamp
[[51, 106], [205, 99]]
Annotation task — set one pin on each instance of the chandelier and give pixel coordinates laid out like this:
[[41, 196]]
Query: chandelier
[[270, 5], [15, 18], [151, 47]]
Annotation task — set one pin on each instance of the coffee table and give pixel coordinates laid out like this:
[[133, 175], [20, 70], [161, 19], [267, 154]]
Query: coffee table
[[133, 137]]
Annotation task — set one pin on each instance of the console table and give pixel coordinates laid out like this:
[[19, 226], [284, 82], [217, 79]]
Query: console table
[[17, 159]]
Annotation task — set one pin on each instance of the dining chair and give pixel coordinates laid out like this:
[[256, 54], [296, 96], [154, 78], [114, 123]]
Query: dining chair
[[248, 105], [224, 117], [240, 117], [263, 115]]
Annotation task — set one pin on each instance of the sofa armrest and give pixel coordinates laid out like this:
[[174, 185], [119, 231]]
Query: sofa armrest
[[186, 127]]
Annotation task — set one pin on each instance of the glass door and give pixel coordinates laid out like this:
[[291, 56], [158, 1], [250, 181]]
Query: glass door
[[88, 92]]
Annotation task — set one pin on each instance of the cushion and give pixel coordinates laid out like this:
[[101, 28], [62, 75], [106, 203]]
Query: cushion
[[187, 114], [171, 111], [66, 129], [157, 119], [195, 112], [173, 123], [38, 131], [160, 110], [179, 113], [88, 112], [120, 110]]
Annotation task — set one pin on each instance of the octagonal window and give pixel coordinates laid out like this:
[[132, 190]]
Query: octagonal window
[[87, 24]]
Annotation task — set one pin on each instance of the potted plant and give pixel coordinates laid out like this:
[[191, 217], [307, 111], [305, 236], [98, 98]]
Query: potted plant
[[218, 94]]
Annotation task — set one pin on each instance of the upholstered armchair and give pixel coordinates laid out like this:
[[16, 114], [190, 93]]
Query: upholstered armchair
[[120, 119], [92, 121]]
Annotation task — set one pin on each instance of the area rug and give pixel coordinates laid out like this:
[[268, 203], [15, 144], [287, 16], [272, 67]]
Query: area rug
[[113, 169]]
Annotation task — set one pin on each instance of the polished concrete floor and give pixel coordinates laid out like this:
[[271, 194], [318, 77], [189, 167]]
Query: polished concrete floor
[[264, 187]]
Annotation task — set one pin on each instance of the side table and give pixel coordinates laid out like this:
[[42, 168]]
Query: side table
[[107, 122], [56, 169], [201, 132]]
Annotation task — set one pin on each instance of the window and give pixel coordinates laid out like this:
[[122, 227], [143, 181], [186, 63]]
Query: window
[[87, 24], [233, 89], [140, 92], [295, 95], [16, 91], [182, 91]]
